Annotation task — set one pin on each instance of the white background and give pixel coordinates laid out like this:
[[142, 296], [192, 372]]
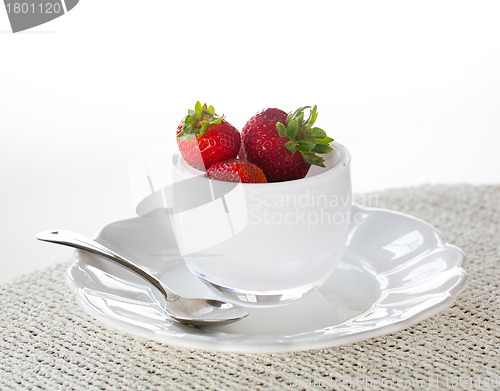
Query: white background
[[411, 88]]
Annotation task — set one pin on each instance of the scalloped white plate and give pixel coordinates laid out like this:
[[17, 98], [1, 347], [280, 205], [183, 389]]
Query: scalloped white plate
[[397, 270]]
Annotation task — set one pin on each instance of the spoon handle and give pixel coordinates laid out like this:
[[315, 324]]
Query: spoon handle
[[71, 239]]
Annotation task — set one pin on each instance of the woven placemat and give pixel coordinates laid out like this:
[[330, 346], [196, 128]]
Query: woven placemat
[[48, 342]]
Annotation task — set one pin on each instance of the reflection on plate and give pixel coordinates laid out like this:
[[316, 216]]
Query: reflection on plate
[[396, 271]]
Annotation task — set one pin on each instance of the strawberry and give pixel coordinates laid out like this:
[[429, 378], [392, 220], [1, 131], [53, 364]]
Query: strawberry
[[235, 170], [284, 146], [204, 138]]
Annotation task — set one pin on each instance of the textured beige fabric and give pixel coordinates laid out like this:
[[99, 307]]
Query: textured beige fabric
[[48, 342]]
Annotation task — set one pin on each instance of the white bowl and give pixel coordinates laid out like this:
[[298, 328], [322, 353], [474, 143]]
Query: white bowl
[[261, 243]]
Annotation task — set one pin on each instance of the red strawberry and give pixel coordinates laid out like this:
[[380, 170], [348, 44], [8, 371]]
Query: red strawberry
[[205, 138], [284, 146], [235, 170]]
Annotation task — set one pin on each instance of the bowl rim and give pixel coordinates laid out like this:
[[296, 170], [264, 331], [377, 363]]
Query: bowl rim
[[343, 161]]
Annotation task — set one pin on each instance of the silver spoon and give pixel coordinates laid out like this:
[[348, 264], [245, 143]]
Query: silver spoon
[[191, 311]]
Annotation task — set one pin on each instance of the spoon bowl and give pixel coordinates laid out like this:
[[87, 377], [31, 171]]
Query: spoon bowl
[[186, 310], [204, 312]]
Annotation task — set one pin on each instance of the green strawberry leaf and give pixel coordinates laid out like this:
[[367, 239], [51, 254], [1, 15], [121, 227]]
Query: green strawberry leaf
[[321, 148], [186, 133], [300, 110], [305, 146], [281, 129], [324, 141], [291, 146], [204, 127], [318, 133], [314, 116], [197, 109], [211, 110], [292, 130], [312, 158]]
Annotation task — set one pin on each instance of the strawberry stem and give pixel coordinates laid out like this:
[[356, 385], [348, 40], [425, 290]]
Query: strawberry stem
[[198, 120], [305, 138]]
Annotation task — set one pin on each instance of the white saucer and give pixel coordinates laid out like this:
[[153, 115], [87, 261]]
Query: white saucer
[[397, 270]]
